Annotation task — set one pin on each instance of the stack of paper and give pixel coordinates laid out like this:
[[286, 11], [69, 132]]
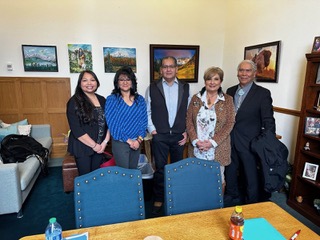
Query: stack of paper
[[260, 228]]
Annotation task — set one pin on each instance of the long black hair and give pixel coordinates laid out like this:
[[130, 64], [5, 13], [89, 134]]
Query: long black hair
[[127, 71], [84, 107]]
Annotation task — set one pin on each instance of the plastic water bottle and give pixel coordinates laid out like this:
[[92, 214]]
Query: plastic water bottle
[[53, 230], [236, 224]]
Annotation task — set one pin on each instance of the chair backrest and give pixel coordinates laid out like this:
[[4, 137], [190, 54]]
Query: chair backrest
[[108, 195], [192, 185]]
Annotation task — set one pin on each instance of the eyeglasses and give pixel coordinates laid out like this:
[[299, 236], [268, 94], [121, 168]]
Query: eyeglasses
[[124, 79], [168, 66]]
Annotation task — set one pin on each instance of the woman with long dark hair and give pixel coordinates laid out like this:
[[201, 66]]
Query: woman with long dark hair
[[85, 112], [126, 115]]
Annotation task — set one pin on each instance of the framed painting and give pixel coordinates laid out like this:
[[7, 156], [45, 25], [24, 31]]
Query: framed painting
[[266, 57], [316, 45], [310, 171], [37, 58], [115, 58], [187, 58], [80, 57]]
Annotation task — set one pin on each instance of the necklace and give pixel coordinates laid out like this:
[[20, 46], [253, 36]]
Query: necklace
[[210, 97]]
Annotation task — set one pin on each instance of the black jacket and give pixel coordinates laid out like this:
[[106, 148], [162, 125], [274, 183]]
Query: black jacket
[[75, 147], [273, 155]]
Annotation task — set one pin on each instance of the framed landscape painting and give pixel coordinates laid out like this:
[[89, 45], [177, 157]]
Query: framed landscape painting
[[187, 57], [266, 57], [115, 58], [37, 58]]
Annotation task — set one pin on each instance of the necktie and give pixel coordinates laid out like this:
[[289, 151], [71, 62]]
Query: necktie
[[240, 93]]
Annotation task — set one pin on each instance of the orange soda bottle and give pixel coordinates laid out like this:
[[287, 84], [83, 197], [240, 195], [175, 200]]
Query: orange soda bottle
[[236, 224]]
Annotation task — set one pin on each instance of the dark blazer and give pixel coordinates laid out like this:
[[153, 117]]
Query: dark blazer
[[254, 114], [75, 147]]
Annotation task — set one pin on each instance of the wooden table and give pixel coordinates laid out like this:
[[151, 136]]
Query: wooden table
[[212, 224]]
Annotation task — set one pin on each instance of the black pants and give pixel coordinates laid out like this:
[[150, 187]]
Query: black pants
[[162, 146], [243, 164], [89, 163]]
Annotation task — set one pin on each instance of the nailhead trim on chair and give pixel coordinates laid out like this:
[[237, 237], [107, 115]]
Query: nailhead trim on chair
[[102, 175], [186, 165]]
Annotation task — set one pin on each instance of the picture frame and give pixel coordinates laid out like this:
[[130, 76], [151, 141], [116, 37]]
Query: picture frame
[[316, 45], [38, 58], [266, 56], [318, 75], [312, 126], [317, 103], [310, 171], [80, 57], [114, 58], [187, 57]]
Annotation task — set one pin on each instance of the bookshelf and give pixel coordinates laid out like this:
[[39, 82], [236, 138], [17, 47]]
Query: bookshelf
[[302, 187]]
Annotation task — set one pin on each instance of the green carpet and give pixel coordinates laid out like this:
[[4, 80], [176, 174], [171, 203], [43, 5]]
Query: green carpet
[[46, 200]]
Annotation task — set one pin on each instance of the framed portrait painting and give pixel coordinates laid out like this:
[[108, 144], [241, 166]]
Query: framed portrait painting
[[38, 58], [80, 57], [187, 58], [266, 57], [310, 171]]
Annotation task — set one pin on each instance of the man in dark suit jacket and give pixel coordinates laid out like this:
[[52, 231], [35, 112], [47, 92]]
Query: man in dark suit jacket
[[253, 105]]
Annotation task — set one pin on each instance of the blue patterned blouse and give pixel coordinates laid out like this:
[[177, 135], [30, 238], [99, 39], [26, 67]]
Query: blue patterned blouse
[[124, 121]]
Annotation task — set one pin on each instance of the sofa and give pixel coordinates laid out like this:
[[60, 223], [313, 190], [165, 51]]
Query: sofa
[[17, 179]]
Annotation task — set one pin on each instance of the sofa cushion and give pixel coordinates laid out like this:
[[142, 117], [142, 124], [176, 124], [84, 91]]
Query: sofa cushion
[[46, 142], [27, 170]]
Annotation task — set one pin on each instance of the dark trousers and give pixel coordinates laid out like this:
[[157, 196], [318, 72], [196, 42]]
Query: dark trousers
[[243, 164], [125, 156], [162, 146], [86, 164]]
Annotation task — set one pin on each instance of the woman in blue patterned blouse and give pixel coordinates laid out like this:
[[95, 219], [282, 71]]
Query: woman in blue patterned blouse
[[126, 116]]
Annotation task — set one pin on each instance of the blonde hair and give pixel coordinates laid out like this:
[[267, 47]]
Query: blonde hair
[[210, 72]]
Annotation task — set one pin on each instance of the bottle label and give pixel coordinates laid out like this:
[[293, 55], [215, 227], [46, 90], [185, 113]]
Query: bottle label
[[55, 235], [235, 232]]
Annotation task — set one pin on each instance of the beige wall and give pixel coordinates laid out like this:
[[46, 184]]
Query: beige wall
[[222, 28]]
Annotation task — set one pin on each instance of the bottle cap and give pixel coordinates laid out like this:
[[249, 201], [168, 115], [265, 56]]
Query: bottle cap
[[238, 209], [52, 220]]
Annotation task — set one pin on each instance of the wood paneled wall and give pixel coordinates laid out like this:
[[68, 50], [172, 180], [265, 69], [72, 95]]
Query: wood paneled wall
[[42, 100]]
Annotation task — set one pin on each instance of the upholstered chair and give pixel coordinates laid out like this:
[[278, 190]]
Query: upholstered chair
[[108, 195], [192, 185]]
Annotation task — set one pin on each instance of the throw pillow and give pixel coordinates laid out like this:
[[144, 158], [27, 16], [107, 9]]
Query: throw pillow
[[24, 129], [22, 122], [5, 125], [13, 129]]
